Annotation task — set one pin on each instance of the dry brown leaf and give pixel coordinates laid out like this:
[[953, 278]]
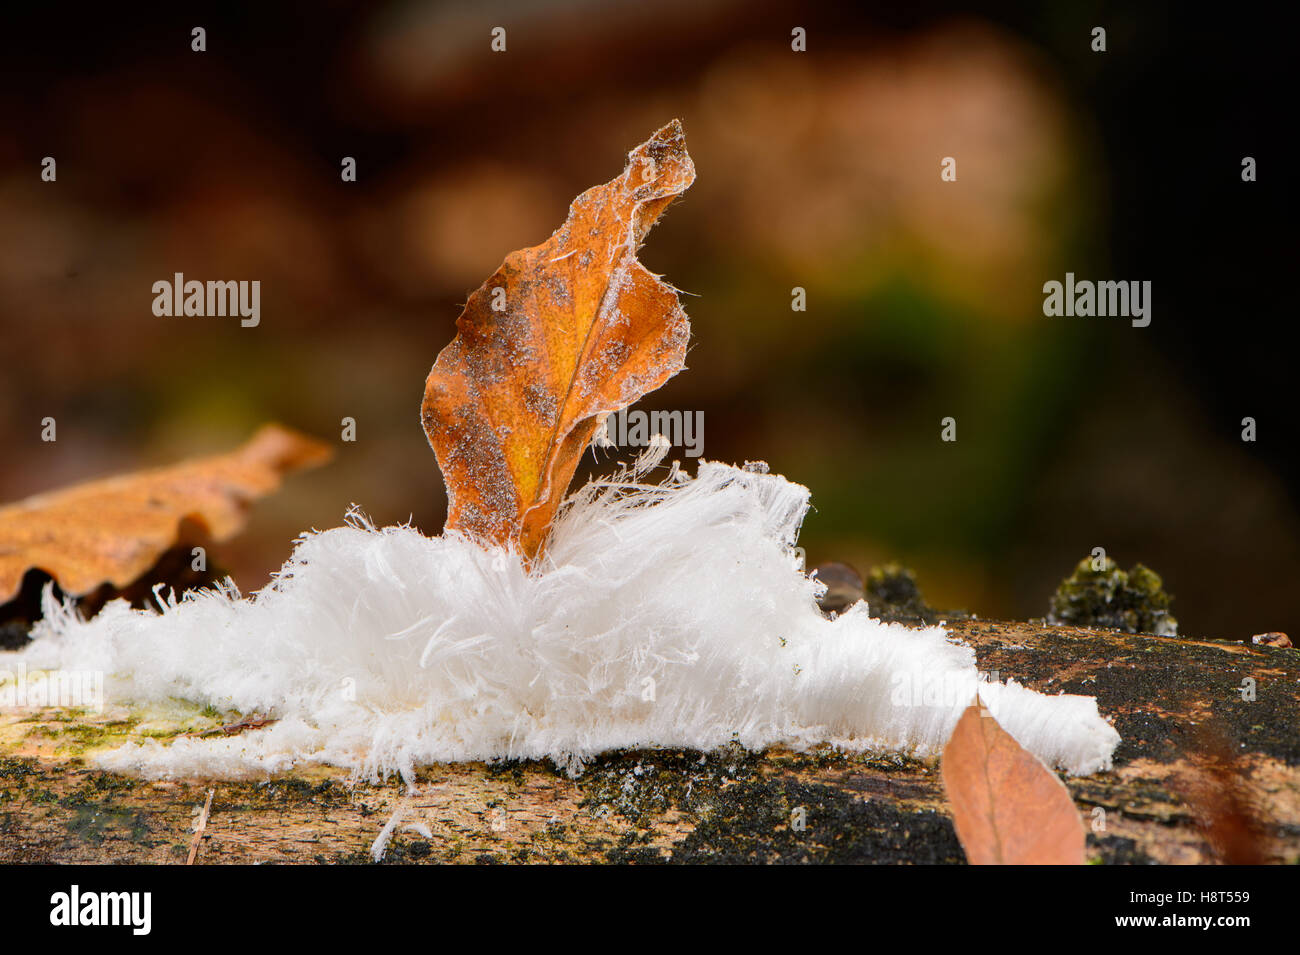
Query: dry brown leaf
[[561, 335], [1008, 808], [113, 530]]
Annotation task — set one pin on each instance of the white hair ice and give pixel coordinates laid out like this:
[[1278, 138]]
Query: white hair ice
[[661, 615]]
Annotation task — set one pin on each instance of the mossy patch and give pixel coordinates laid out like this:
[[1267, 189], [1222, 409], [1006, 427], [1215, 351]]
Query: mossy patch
[[14, 768], [95, 823], [1147, 686], [788, 822], [1099, 594], [1116, 850], [641, 784], [743, 807], [892, 595]]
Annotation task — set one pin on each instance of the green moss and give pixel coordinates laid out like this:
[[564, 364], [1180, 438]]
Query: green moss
[[327, 792], [85, 734], [892, 594], [785, 821], [514, 769], [1099, 594], [101, 784], [1116, 850], [640, 785], [94, 823], [18, 767]]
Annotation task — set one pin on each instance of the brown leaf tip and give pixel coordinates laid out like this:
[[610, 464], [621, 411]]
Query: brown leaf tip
[[657, 170], [665, 157], [285, 450]]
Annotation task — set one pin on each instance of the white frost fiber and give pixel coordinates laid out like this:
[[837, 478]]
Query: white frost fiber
[[664, 615]]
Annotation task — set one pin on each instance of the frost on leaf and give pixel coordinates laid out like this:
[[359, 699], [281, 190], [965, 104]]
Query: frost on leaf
[[582, 330]]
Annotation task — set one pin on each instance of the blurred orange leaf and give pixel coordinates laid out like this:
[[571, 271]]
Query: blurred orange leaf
[[113, 530], [1226, 804], [1008, 808], [561, 335]]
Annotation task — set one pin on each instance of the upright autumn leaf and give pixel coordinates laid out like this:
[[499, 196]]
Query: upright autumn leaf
[[1007, 807], [561, 335]]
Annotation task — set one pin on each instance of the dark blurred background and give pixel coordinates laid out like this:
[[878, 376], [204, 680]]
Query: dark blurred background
[[817, 169]]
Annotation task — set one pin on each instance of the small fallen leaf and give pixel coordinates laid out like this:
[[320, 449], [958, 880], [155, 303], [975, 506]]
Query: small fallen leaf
[[113, 530], [1007, 807], [1274, 638], [560, 336]]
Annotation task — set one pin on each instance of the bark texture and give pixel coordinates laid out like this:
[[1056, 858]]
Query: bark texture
[[1204, 774]]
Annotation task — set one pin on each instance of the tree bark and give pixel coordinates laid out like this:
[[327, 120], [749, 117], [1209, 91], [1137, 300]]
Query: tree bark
[[1207, 771]]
